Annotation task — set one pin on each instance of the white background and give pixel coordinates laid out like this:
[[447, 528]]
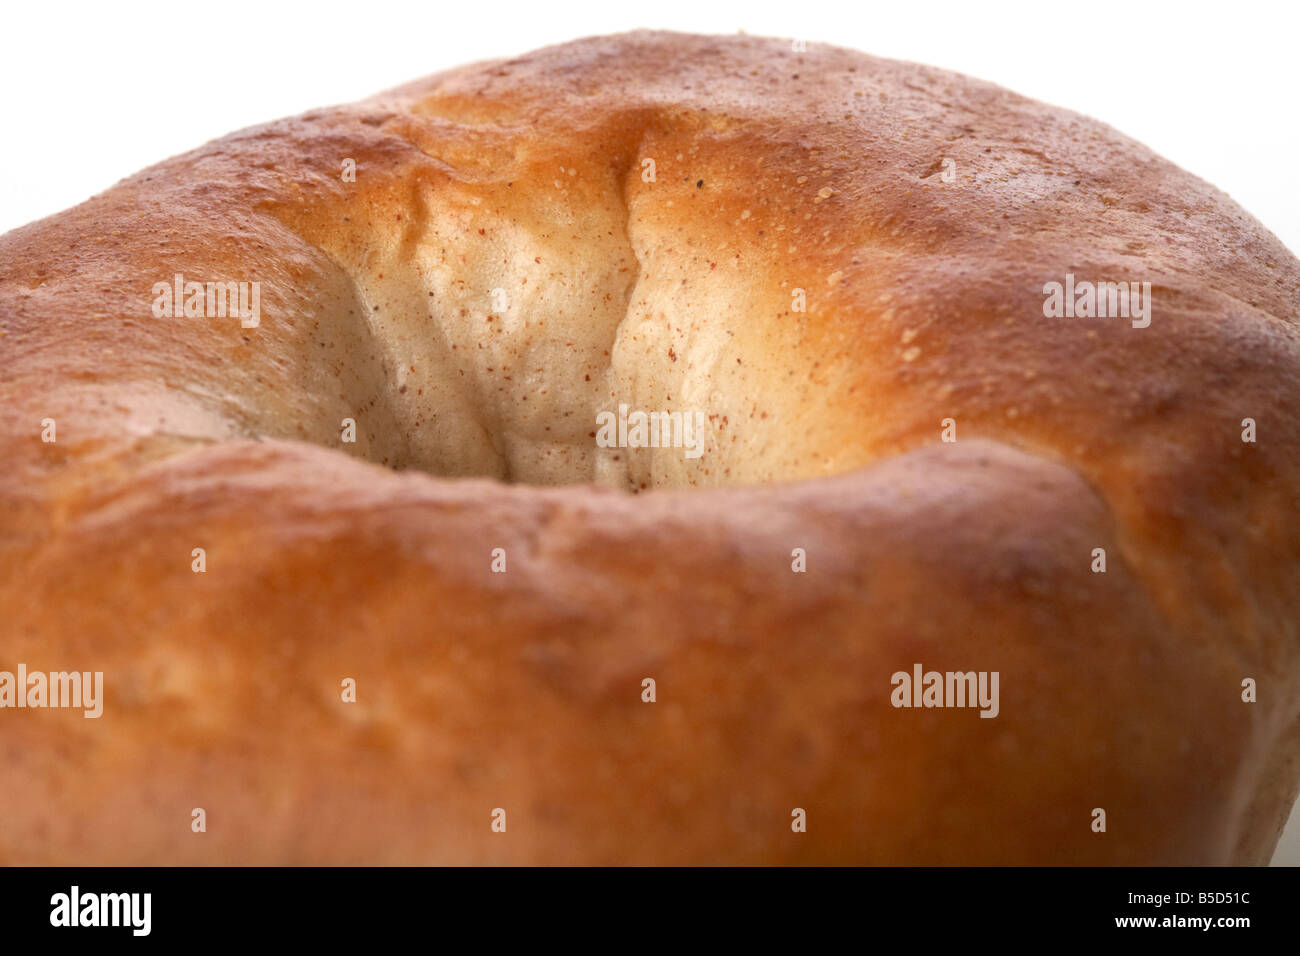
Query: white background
[[95, 92]]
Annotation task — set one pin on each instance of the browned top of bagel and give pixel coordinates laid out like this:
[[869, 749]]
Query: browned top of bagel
[[501, 270]]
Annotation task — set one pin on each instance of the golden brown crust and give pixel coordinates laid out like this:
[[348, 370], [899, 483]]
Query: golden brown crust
[[774, 172]]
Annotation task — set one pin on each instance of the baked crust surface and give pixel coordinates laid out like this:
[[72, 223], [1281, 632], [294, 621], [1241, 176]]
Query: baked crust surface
[[524, 182]]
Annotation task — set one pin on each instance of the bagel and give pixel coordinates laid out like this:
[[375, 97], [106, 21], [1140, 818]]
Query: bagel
[[654, 449]]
